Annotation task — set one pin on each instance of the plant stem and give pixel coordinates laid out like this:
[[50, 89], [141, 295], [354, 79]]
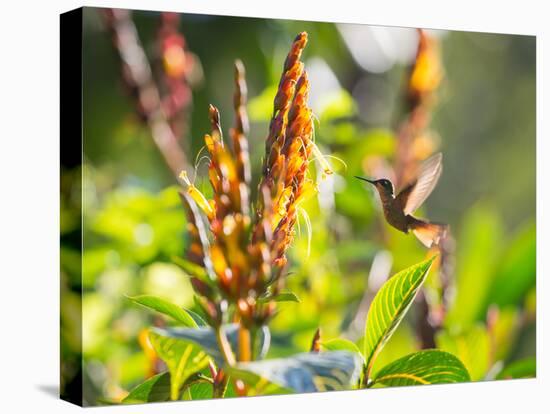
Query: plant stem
[[364, 383], [245, 347], [224, 346], [221, 380], [220, 385], [426, 331], [138, 76]]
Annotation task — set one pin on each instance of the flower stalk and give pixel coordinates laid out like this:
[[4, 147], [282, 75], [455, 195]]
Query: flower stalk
[[415, 143], [164, 114], [241, 250]]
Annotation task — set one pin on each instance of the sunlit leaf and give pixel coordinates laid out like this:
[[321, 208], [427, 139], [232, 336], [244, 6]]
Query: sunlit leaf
[[516, 272], [281, 297], [524, 368], [166, 308], [390, 306], [257, 385], [199, 320], [206, 338], [183, 358], [307, 372], [471, 347], [340, 344], [504, 332], [155, 389], [192, 269], [425, 367], [478, 248], [199, 391], [403, 342]]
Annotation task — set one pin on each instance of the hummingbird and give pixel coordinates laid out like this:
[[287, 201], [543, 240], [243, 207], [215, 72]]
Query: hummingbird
[[398, 209]]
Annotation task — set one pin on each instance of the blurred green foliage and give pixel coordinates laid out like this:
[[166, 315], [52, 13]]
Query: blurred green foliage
[[133, 223]]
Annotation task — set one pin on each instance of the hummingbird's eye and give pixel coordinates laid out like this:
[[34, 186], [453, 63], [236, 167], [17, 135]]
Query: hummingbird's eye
[[386, 184]]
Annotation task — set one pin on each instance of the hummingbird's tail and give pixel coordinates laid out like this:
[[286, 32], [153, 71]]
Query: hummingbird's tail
[[429, 234]]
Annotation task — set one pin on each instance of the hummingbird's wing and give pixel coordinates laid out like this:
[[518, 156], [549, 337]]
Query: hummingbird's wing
[[414, 194]]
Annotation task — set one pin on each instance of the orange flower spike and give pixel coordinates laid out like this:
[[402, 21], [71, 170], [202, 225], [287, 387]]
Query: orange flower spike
[[174, 58], [214, 180], [263, 230], [296, 50], [240, 130], [281, 205], [295, 164], [214, 115], [230, 184], [220, 265], [210, 143], [214, 145], [427, 71], [245, 201], [244, 261], [227, 168], [239, 99], [299, 116], [233, 232], [197, 196], [299, 102], [276, 127], [292, 71], [222, 172], [286, 90]]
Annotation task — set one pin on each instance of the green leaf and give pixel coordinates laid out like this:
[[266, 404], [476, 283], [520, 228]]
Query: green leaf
[[340, 344], [198, 391], [516, 272], [155, 389], [390, 306], [183, 359], [199, 320], [286, 297], [471, 346], [403, 342], [307, 372], [425, 367], [504, 332], [205, 337], [479, 246], [524, 368], [281, 297], [257, 385], [192, 269], [166, 308]]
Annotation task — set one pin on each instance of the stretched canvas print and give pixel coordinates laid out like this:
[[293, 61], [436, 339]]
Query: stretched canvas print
[[256, 206]]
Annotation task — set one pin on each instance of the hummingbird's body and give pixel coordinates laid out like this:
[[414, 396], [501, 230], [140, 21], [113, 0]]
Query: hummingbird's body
[[398, 209], [393, 213]]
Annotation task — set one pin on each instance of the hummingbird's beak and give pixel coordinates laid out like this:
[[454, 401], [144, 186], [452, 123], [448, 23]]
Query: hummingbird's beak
[[366, 179]]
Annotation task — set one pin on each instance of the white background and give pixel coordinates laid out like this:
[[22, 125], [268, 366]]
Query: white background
[[29, 219]]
